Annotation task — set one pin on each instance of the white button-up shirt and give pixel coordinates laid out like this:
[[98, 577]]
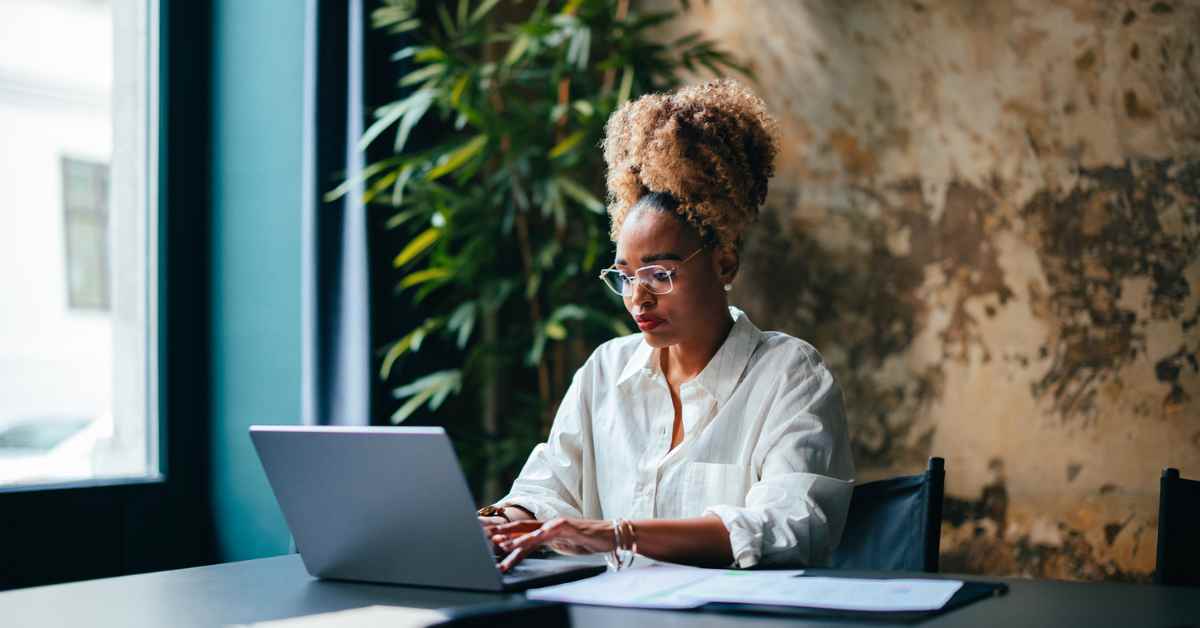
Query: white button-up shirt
[[765, 446]]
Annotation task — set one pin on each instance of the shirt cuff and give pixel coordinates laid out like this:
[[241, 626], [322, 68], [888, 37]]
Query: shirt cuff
[[745, 534]]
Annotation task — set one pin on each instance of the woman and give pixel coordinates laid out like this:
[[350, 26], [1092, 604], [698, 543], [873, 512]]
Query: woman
[[701, 440]]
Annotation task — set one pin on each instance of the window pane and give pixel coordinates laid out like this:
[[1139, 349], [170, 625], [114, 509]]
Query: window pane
[[75, 102]]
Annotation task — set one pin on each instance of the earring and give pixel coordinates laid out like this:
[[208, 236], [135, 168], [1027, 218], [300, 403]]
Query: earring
[[728, 287]]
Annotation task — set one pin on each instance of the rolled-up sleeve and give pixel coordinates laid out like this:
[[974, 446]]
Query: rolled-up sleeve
[[551, 482], [796, 509]]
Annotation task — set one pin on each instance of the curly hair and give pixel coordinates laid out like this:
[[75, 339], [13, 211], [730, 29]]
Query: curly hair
[[710, 146]]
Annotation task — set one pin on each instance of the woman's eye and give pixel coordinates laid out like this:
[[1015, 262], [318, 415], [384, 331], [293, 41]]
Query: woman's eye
[[662, 275]]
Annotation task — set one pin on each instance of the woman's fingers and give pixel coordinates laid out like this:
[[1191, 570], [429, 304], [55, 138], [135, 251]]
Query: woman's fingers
[[508, 531], [516, 527], [542, 535], [520, 546], [513, 558]]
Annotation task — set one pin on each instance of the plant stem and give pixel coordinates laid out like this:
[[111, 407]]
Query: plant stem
[[610, 75], [535, 313], [491, 406]]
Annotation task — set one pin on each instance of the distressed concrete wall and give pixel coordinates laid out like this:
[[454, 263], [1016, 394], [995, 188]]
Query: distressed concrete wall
[[987, 217]]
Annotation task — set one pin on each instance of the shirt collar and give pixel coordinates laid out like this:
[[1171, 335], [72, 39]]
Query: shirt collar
[[722, 372]]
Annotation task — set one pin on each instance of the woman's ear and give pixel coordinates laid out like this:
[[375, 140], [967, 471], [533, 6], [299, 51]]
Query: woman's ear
[[726, 260]]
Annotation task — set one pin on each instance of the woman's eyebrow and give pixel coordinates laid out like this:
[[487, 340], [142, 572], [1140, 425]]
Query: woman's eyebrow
[[654, 257]]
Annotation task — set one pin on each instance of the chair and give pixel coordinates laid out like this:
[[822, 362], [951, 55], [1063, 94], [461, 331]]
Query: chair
[[895, 524], [1178, 530]]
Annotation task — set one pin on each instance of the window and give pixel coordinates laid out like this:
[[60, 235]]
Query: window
[[77, 226], [85, 226]]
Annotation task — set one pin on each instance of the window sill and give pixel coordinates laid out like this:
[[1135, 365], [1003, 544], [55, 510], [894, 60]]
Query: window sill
[[97, 483]]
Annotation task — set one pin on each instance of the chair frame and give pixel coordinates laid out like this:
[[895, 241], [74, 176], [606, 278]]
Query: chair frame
[[936, 470], [1166, 570], [934, 487]]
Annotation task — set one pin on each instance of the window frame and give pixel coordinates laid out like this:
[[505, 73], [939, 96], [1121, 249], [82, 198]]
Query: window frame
[[59, 532]]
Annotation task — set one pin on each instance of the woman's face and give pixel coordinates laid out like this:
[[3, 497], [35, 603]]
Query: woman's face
[[697, 300]]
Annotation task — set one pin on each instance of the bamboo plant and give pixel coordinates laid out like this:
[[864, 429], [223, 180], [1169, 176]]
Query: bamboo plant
[[503, 215]]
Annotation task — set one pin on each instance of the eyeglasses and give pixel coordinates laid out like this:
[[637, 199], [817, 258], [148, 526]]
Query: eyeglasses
[[657, 279]]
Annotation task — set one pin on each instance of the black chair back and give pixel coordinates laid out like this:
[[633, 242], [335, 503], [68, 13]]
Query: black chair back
[[1178, 530], [895, 524]]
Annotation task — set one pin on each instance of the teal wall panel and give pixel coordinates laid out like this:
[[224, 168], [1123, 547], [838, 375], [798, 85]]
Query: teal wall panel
[[257, 81]]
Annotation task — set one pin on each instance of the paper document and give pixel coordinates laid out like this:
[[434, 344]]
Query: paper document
[[661, 585], [365, 617], [673, 586], [850, 594], [648, 587]]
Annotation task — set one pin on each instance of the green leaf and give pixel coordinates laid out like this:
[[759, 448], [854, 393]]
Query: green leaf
[[483, 9], [405, 26], [462, 13], [410, 109], [567, 143], [405, 53], [460, 86], [410, 341], [421, 101], [422, 276], [447, 21], [385, 117], [434, 387], [534, 355], [345, 186], [585, 108], [416, 246], [401, 182], [568, 312], [410, 406], [462, 321], [555, 330], [423, 74], [517, 49], [458, 157], [580, 195], [380, 185], [626, 88], [430, 54], [395, 220]]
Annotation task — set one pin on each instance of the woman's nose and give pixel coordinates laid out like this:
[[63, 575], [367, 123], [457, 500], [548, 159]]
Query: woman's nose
[[640, 293]]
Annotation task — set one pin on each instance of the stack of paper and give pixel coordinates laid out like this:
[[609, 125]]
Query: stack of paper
[[673, 586], [365, 617]]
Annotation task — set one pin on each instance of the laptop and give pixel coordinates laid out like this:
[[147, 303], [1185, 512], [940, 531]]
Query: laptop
[[391, 505]]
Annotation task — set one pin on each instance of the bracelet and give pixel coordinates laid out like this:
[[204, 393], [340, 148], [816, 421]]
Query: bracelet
[[614, 558], [630, 549], [624, 549]]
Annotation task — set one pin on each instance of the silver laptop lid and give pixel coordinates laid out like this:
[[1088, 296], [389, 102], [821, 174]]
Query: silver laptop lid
[[382, 504]]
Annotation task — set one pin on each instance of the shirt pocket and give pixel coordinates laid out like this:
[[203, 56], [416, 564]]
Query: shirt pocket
[[711, 484]]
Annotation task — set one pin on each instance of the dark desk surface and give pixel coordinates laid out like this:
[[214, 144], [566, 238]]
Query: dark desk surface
[[275, 588]]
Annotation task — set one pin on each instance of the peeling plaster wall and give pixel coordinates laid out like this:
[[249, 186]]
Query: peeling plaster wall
[[987, 217]]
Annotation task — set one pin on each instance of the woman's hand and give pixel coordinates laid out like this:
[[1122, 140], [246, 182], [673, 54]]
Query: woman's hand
[[567, 536]]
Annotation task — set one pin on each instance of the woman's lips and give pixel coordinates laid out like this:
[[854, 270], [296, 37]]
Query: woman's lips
[[646, 323]]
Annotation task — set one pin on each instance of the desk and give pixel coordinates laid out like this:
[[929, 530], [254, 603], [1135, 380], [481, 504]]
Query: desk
[[274, 588]]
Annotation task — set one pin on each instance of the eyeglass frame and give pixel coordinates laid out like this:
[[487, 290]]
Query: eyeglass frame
[[670, 275]]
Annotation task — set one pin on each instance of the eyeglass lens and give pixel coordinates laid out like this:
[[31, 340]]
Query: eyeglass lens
[[656, 278]]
